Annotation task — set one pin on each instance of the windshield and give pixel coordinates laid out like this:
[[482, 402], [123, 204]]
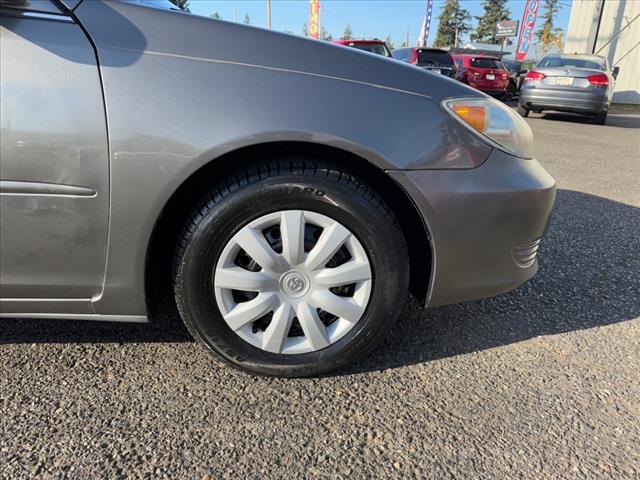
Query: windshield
[[434, 57], [485, 63], [512, 65], [577, 62], [377, 48]]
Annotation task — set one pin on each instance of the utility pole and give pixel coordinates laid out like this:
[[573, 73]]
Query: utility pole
[[269, 14], [235, 18]]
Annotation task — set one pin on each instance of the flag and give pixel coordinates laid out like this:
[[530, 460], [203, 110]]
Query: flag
[[314, 18], [424, 31], [527, 28]]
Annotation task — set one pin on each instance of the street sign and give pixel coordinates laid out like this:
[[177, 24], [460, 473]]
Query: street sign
[[507, 28]]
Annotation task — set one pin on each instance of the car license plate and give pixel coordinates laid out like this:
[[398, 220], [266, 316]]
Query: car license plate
[[565, 81], [491, 76]]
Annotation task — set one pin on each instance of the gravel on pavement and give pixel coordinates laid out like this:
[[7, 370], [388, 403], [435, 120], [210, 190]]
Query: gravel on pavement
[[540, 382]]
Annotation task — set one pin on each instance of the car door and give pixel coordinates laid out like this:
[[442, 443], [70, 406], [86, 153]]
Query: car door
[[54, 167]]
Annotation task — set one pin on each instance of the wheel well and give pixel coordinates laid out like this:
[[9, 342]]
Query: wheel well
[[171, 221]]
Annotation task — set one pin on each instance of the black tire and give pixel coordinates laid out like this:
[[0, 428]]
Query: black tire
[[511, 92], [523, 112], [284, 185], [600, 118]]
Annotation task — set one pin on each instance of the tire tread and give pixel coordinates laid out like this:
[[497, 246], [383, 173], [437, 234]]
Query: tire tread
[[257, 173]]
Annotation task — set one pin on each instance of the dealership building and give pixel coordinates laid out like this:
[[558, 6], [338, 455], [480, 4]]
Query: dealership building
[[610, 28]]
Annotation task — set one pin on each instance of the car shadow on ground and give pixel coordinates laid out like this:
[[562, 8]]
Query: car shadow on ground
[[588, 277], [617, 118], [613, 119]]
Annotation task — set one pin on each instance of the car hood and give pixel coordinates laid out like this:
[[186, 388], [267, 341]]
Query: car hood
[[174, 33]]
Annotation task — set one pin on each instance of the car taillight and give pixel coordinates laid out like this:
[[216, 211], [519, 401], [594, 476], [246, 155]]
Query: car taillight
[[534, 76], [599, 80]]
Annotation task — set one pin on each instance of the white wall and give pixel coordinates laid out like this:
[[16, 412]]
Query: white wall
[[621, 52]]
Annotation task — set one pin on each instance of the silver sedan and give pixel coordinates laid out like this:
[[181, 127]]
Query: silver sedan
[[569, 83]]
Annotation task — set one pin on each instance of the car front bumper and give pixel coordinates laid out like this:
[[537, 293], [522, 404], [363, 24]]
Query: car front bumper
[[588, 101], [484, 224]]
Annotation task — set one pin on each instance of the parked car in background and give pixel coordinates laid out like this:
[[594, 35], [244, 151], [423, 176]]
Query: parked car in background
[[516, 76], [569, 83], [253, 190], [374, 46], [435, 60], [485, 73]]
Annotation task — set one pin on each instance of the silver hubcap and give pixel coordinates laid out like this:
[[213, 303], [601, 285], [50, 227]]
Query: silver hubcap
[[292, 282]]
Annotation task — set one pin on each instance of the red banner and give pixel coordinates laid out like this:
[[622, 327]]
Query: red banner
[[527, 28], [314, 18]]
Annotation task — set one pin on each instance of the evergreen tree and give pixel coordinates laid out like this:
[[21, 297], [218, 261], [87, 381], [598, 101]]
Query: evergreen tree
[[548, 35], [247, 19], [453, 22], [182, 4], [494, 11], [348, 34], [215, 15], [305, 30], [389, 42], [325, 35]]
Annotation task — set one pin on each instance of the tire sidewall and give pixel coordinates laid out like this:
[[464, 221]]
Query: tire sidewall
[[288, 192]]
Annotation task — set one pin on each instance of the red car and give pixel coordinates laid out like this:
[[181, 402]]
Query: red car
[[435, 60], [374, 46], [487, 74]]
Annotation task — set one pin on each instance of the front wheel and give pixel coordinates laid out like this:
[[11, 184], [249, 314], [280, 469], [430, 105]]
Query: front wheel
[[291, 269]]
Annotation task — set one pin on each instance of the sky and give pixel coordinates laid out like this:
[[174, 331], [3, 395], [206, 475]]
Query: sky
[[368, 18]]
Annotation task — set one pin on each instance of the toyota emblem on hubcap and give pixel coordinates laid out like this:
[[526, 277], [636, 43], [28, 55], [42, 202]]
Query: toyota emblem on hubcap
[[294, 284]]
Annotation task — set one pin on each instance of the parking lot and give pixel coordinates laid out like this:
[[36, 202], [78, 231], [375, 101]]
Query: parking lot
[[541, 382]]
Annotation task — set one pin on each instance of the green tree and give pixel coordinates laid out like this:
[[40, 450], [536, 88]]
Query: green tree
[[548, 35], [247, 19], [494, 11], [305, 30], [453, 22], [325, 34], [215, 15], [182, 4], [389, 42], [348, 34]]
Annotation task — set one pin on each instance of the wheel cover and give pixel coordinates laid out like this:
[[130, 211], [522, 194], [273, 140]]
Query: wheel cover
[[283, 291]]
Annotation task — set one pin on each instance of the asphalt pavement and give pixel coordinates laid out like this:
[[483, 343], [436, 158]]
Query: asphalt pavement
[[543, 382]]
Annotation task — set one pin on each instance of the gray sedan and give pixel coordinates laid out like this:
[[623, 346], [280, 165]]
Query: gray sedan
[[569, 83], [283, 194]]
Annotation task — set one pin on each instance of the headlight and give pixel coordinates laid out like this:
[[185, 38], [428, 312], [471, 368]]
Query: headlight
[[495, 122]]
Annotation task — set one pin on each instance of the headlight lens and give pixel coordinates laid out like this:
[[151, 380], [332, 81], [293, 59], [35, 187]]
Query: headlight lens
[[495, 122]]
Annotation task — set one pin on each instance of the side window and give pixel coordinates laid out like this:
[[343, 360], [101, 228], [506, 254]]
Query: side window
[[400, 54], [44, 6]]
